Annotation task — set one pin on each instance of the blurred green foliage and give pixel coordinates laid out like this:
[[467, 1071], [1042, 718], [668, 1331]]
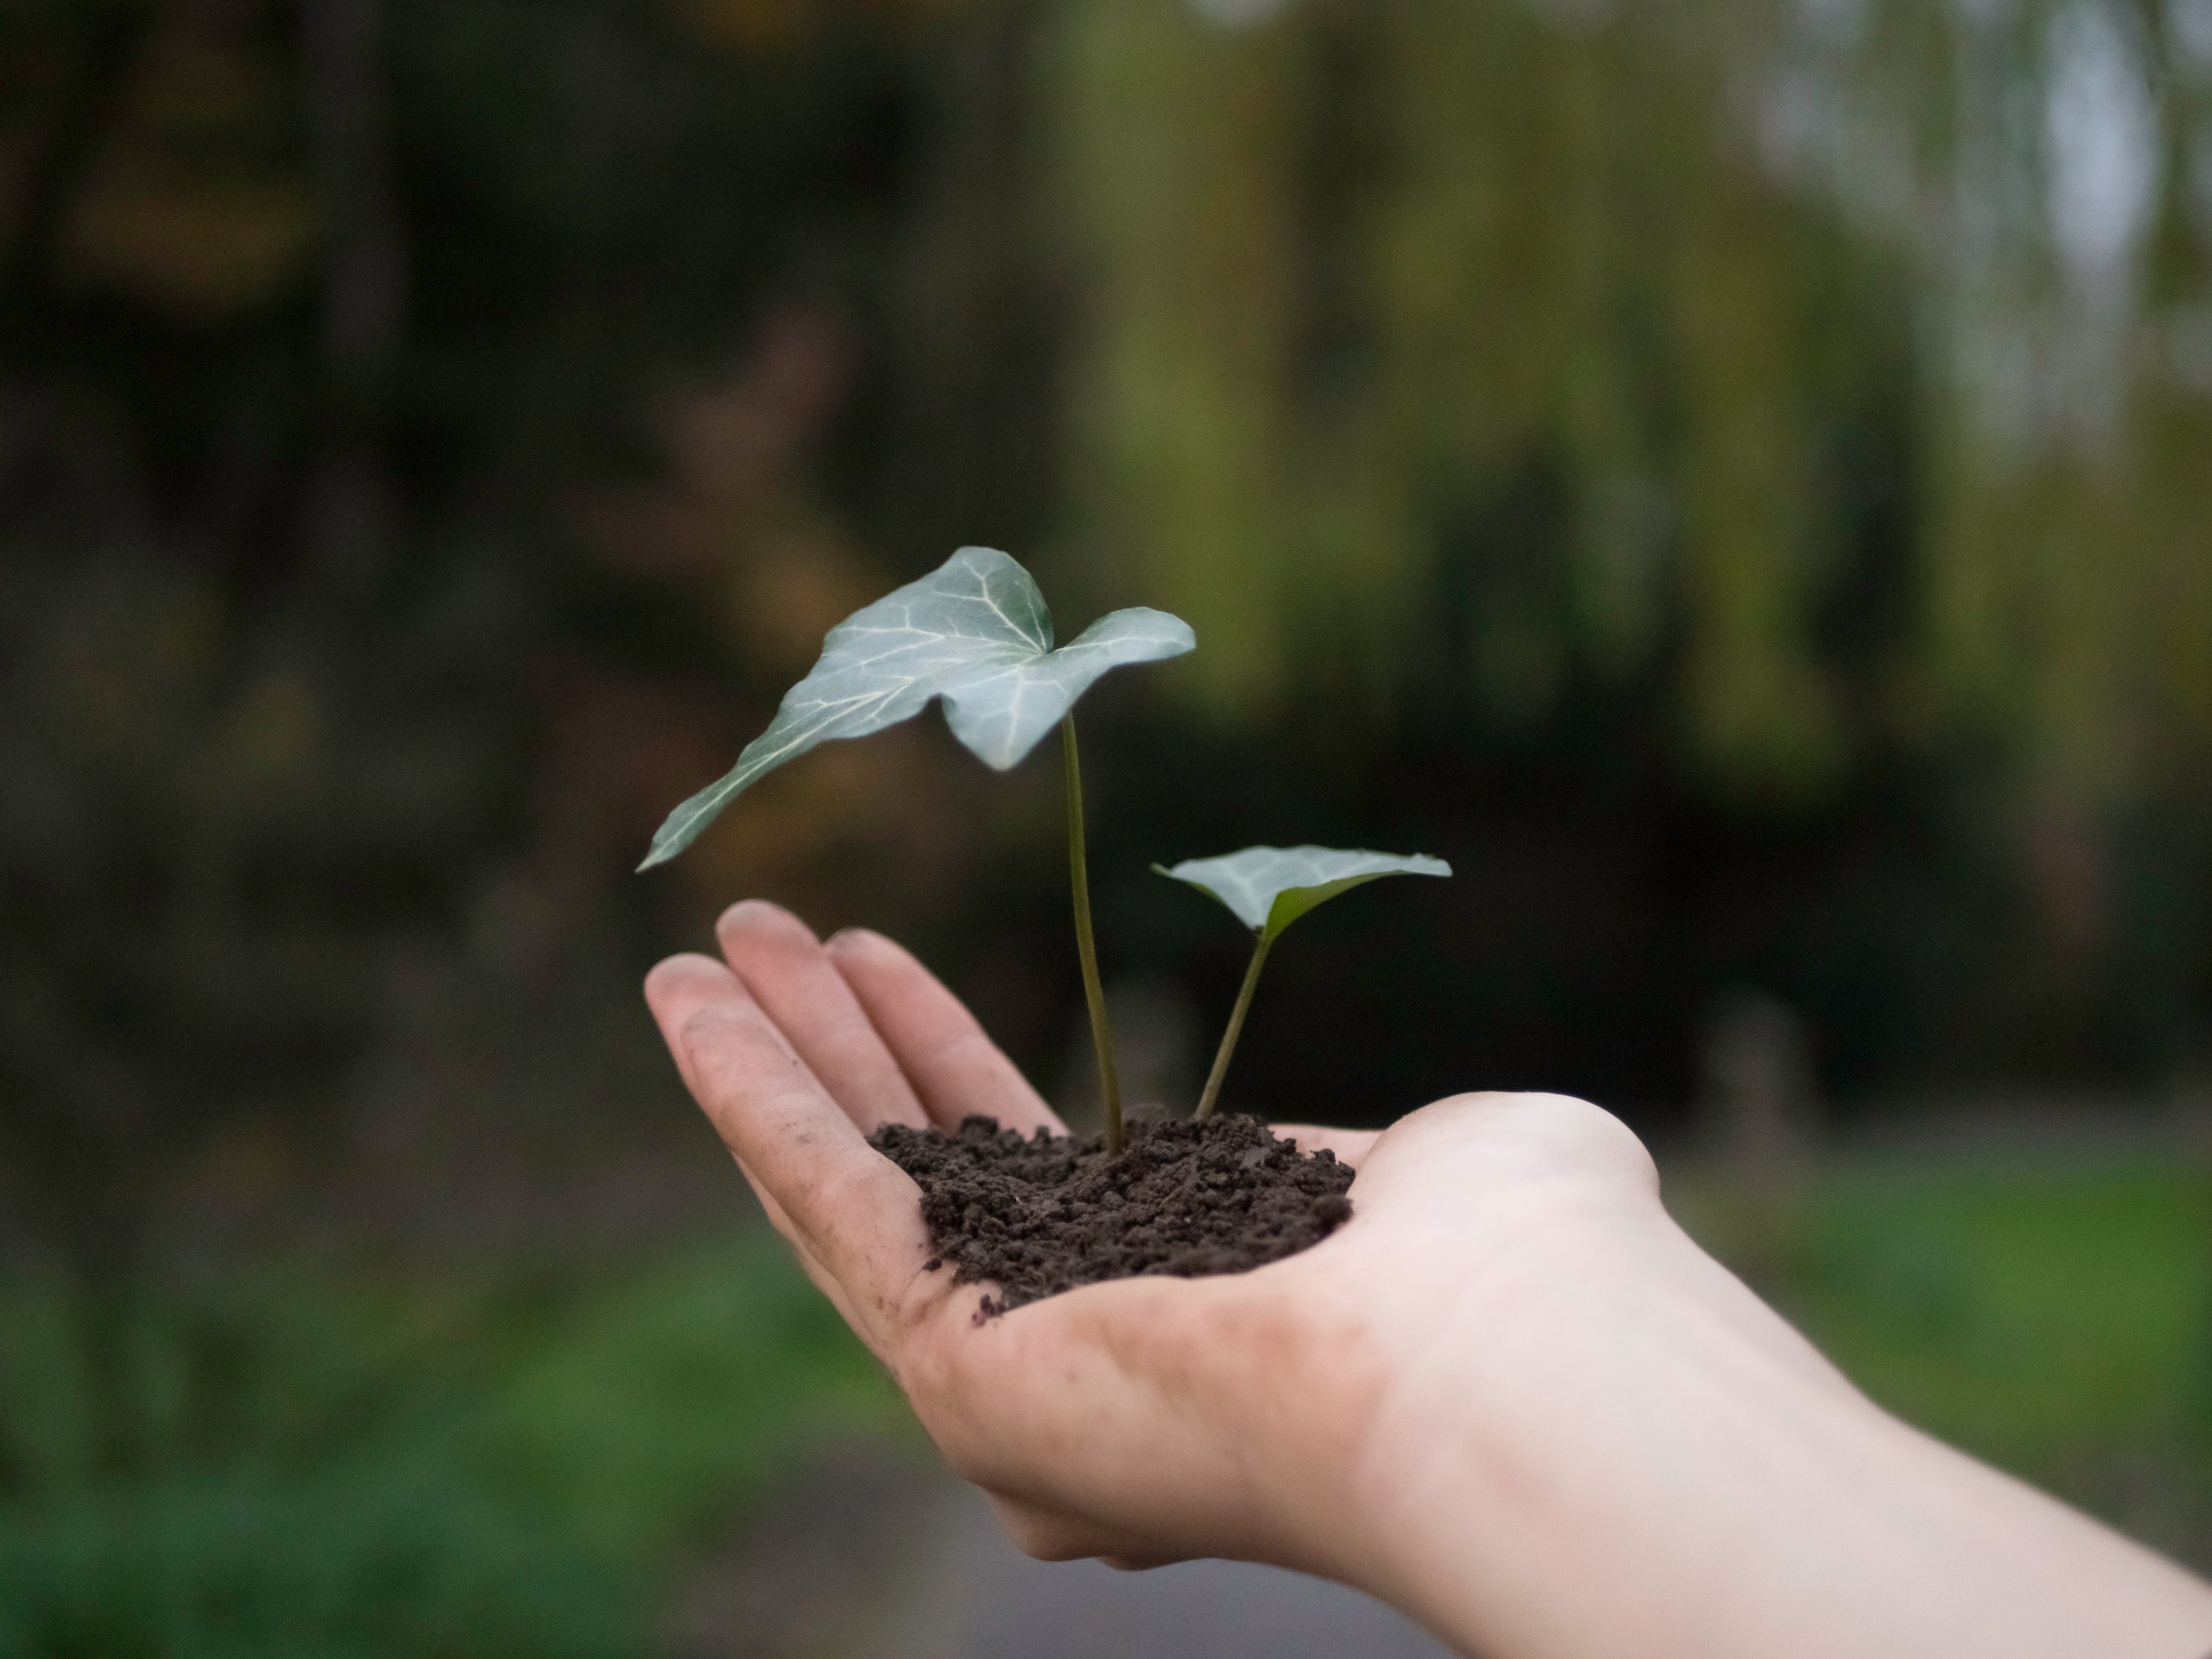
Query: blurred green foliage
[[489, 1463], [414, 1466], [2052, 1315], [1787, 310], [1724, 457], [2029, 1313], [239, 1564], [1733, 476]]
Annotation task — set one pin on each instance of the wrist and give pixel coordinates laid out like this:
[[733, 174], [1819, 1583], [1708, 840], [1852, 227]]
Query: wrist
[[1622, 1451], [1553, 1431]]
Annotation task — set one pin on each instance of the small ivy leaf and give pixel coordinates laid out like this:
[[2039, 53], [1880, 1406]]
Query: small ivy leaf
[[1268, 888], [975, 632]]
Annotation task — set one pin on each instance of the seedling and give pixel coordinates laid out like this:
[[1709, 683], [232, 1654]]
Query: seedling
[[976, 633], [1267, 889]]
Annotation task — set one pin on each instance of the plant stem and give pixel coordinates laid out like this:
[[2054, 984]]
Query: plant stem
[[1079, 873], [1206, 1102]]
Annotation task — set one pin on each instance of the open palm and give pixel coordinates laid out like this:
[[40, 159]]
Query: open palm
[[1145, 1419]]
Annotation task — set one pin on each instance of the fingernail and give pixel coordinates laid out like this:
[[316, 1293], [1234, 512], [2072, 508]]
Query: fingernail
[[763, 908], [675, 967]]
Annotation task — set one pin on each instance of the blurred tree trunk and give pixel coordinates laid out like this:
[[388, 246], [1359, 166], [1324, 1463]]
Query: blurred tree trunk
[[350, 509], [54, 158], [97, 1229]]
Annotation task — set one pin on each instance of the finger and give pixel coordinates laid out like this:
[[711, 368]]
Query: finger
[[770, 1207], [783, 1225], [852, 1210], [810, 1264], [790, 977], [954, 1066], [818, 1275], [1350, 1145]]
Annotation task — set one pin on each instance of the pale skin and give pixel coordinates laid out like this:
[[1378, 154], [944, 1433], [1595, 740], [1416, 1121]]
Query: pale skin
[[1509, 1396]]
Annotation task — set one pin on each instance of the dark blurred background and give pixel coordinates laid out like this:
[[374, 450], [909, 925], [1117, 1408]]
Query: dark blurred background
[[1735, 477]]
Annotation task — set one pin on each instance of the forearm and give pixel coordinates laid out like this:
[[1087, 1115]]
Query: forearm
[[1647, 1462]]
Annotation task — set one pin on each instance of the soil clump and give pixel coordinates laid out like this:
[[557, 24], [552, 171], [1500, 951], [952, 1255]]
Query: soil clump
[[1042, 1214]]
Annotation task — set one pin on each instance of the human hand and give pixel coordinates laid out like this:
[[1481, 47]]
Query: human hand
[[1144, 1419], [1508, 1396]]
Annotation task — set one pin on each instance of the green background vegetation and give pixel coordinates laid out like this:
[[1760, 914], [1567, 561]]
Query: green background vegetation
[[1735, 477]]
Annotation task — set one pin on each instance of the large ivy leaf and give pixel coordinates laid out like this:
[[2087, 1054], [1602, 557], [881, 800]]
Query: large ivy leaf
[[1268, 888], [975, 632]]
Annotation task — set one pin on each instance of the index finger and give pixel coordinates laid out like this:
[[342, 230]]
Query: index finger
[[955, 1067], [855, 1209], [781, 963]]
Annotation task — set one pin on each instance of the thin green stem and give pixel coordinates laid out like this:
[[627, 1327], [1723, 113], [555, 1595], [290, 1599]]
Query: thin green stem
[[1206, 1102], [1079, 873]]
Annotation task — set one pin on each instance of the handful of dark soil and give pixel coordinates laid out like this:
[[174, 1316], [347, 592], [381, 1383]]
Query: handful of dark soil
[[1045, 1214]]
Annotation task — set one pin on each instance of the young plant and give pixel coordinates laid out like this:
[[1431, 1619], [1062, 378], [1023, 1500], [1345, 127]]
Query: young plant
[[1267, 889], [976, 633]]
